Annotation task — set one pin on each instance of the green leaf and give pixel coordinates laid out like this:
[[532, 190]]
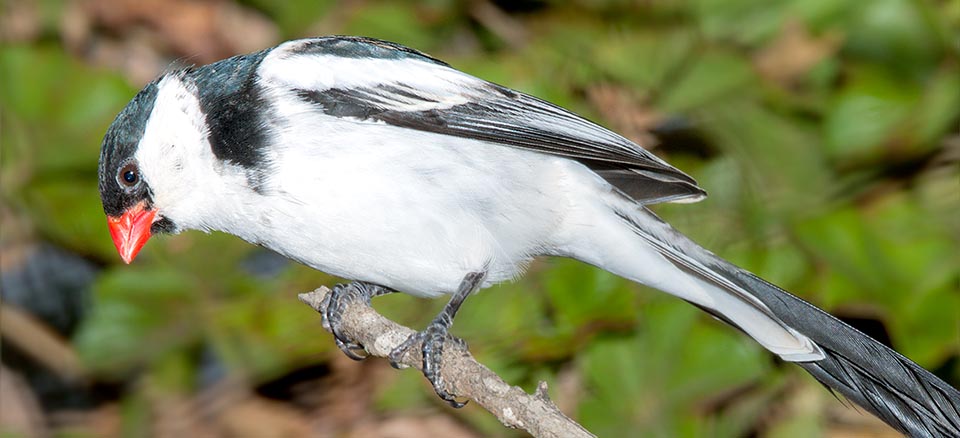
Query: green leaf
[[713, 76], [939, 109], [580, 294], [866, 113], [135, 308], [644, 59], [69, 212], [263, 334], [647, 383], [293, 16], [175, 372], [848, 249], [779, 159], [742, 21], [896, 34], [32, 79], [391, 22]]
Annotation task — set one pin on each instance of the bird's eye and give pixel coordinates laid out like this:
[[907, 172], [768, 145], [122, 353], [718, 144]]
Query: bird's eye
[[129, 175]]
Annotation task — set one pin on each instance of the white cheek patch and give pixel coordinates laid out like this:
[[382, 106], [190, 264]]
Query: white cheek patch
[[174, 155]]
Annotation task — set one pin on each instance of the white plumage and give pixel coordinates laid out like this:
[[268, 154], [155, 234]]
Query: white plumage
[[411, 210], [376, 163]]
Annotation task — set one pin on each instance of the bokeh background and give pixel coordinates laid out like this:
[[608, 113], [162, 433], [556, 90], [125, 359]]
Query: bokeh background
[[825, 131]]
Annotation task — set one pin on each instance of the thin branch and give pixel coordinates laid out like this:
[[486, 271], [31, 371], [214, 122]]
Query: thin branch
[[462, 374]]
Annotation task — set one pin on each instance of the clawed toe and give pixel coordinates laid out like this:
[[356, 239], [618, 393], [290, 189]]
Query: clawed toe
[[352, 350], [431, 342], [334, 305], [396, 355], [433, 338]]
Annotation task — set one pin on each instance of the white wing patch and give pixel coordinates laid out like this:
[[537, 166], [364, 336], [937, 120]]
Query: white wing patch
[[443, 87], [374, 82]]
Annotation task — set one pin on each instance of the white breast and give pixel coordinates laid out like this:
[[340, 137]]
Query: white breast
[[409, 210]]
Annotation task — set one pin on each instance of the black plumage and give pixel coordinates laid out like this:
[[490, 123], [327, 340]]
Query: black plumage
[[892, 387], [502, 116], [119, 144]]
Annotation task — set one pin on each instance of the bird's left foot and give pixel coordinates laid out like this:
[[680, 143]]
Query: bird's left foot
[[433, 338], [336, 302]]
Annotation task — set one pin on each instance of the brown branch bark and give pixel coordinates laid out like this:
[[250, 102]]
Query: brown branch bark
[[462, 374]]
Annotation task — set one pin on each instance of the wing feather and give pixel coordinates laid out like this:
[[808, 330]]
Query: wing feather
[[376, 81]]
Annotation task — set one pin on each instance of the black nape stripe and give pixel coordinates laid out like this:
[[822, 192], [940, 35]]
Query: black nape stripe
[[235, 109], [361, 47]]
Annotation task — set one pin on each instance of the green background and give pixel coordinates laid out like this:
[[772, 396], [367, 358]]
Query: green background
[[826, 133]]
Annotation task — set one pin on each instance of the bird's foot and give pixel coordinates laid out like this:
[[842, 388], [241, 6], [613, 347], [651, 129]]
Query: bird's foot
[[432, 339], [334, 305]]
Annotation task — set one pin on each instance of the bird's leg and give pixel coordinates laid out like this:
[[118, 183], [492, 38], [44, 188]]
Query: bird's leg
[[334, 304], [436, 334]]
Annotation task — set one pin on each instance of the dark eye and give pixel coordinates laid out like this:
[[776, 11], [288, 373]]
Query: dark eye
[[129, 175]]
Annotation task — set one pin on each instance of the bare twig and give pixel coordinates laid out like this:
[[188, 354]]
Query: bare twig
[[463, 375]]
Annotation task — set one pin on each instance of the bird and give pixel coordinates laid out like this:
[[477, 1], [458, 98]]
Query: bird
[[385, 166]]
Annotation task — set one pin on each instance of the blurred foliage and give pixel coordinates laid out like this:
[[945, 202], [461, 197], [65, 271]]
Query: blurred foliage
[[826, 133]]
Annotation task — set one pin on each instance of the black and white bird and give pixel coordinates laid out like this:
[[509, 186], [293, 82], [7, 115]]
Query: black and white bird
[[374, 162]]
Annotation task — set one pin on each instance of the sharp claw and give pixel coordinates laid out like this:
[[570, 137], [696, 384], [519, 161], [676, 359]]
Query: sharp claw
[[334, 304], [352, 350], [444, 395], [452, 401], [431, 343], [397, 354], [432, 339], [325, 305], [395, 363]]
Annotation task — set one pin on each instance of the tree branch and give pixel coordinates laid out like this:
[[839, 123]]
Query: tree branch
[[462, 374]]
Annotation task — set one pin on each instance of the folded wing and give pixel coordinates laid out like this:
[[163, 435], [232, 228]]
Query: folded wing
[[378, 82]]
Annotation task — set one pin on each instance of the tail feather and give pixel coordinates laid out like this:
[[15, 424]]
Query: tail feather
[[882, 381], [892, 387]]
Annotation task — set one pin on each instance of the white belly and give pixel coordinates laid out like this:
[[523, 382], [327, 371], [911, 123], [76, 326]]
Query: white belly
[[415, 216]]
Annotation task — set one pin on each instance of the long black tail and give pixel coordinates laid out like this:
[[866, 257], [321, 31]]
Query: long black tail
[[898, 391]]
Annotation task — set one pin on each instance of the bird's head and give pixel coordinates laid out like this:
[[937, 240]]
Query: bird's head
[[146, 180]]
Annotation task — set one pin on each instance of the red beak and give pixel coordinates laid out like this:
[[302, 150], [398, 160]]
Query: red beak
[[131, 230]]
